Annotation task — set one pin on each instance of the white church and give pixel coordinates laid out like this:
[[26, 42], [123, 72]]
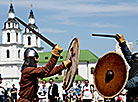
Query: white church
[[14, 43], [12, 47]]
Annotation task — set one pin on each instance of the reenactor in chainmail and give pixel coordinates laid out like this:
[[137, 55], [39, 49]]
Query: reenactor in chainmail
[[30, 72], [132, 60]]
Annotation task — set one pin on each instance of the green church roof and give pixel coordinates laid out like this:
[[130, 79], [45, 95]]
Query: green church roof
[[60, 78], [85, 56]]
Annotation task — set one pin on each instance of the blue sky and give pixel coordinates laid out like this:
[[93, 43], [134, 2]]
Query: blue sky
[[62, 20]]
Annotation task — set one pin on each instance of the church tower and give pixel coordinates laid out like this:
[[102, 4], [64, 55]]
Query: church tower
[[11, 48], [11, 38], [30, 39]]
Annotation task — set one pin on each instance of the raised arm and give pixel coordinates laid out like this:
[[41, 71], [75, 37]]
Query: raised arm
[[124, 48]]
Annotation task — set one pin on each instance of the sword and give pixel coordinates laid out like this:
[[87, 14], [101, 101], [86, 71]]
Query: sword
[[105, 35], [38, 34]]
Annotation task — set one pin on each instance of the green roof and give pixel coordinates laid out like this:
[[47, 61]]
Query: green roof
[[85, 56], [60, 78]]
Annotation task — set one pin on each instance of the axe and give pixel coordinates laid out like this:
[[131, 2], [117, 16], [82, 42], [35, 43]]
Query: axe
[[36, 33]]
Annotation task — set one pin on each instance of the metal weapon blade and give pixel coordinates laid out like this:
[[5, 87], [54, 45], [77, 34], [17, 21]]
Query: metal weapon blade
[[105, 35], [38, 34]]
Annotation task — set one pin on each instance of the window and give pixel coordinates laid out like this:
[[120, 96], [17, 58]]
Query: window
[[61, 57], [9, 24], [92, 70], [36, 40], [46, 58], [29, 40], [8, 37], [16, 37], [8, 54], [18, 53]]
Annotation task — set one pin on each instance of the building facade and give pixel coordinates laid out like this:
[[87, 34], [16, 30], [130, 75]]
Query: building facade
[[13, 46], [14, 43]]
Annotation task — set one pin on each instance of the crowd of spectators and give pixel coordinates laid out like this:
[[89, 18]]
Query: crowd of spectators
[[7, 94], [79, 92]]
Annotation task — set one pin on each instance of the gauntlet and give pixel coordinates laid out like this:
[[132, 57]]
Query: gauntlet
[[120, 38], [57, 50], [66, 63]]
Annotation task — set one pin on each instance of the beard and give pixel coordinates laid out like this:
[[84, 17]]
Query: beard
[[29, 62]]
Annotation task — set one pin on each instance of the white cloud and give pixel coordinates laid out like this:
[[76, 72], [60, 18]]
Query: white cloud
[[83, 8], [64, 11], [68, 9], [50, 30], [77, 7], [104, 25]]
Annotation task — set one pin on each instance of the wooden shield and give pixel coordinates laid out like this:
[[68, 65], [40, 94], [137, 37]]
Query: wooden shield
[[72, 54], [110, 75]]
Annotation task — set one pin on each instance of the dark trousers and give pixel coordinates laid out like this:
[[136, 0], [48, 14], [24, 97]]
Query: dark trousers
[[14, 98], [87, 100], [52, 99], [2, 98]]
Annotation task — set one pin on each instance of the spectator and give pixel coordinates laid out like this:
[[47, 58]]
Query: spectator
[[71, 94], [14, 93], [42, 91], [87, 92], [78, 91], [2, 91], [122, 95], [53, 91]]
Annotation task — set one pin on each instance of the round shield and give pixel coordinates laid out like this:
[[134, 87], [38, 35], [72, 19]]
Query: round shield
[[73, 55], [110, 75]]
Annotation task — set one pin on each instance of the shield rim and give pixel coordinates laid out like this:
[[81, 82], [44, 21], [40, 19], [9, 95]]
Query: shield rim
[[125, 79], [67, 72]]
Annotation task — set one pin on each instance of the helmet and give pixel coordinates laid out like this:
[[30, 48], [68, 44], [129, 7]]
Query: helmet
[[135, 57], [30, 52]]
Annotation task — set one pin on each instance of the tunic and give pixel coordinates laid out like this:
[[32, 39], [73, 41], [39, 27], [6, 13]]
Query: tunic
[[29, 79]]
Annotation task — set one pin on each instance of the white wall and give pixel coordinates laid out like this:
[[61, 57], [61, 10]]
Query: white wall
[[84, 70], [13, 53], [12, 36]]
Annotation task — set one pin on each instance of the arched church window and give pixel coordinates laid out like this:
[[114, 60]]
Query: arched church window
[[19, 53], [36, 40], [16, 37], [9, 24], [8, 54], [8, 37], [29, 40]]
